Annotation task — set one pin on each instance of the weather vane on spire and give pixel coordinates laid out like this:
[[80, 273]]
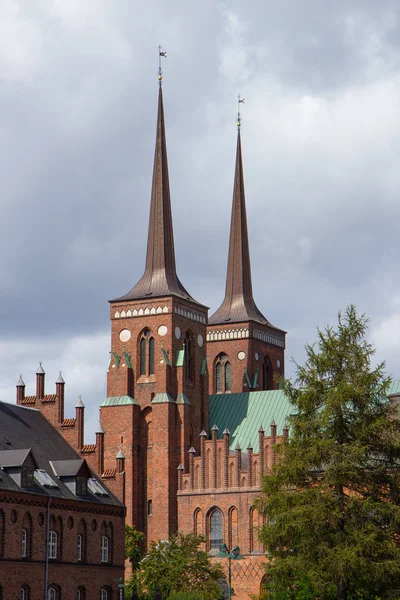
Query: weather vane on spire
[[160, 55], [240, 101]]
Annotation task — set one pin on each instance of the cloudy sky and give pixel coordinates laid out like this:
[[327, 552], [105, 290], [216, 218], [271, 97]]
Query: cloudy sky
[[321, 144]]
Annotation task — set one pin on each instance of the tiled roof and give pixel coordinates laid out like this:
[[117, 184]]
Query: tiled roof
[[88, 448], [244, 413], [22, 428], [29, 400], [68, 423], [49, 398], [109, 473]]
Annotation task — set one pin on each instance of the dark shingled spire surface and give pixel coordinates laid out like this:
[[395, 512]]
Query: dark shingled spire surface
[[238, 305], [159, 278]]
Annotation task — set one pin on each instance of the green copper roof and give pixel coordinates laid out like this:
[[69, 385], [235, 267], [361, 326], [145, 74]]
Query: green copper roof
[[118, 401], [162, 398], [394, 388], [182, 399], [244, 413], [180, 357]]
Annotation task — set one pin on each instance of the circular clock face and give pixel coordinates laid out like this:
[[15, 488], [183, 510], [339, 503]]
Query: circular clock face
[[125, 335], [162, 330], [178, 332], [241, 355], [256, 356], [200, 340], [278, 363]]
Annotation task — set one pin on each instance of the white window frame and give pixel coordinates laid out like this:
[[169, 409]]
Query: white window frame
[[52, 546], [78, 595], [80, 548], [24, 543], [103, 594], [104, 549], [23, 593], [52, 594]]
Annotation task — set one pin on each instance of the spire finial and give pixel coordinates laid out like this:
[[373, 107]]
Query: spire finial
[[238, 116], [161, 54]]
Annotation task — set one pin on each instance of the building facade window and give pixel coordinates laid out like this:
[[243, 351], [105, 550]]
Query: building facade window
[[24, 543], [24, 592], [215, 529], [52, 549], [27, 476], [81, 593], [104, 548], [223, 374], [151, 355], [105, 594], [52, 593], [80, 544], [267, 379], [189, 356], [143, 370], [227, 377], [149, 507], [81, 486]]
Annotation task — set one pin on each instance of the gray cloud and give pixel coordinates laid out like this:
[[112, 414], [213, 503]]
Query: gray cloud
[[321, 140]]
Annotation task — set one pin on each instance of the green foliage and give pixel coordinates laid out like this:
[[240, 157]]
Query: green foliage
[[333, 498], [186, 596], [134, 544], [179, 566]]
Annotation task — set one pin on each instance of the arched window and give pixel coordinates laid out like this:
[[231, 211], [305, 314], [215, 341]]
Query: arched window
[[24, 592], [52, 547], [233, 527], [82, 541], [151, 356], [215, 529], [53, 593], [218, 377], [81, 593], [143, 370], [223, 374], [198, 521], [106, 542], [189, 356], [228, 377], [267, 382], [105, 593]]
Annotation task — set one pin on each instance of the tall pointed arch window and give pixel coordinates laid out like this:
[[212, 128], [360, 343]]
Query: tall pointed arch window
[[189, 356], [267, 382], [215, 539], [146, 353], [151, 356], [223, 374]]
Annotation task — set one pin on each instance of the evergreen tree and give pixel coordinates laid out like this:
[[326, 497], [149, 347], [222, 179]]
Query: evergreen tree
[[333, 499]]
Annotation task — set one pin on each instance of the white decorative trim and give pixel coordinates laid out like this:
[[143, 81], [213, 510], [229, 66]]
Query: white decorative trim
[[138, 312], [228, 334], [270, 338], [194, 316]]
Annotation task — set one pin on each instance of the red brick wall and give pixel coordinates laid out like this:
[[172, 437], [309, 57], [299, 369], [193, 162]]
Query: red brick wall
[[254, 349], [68, 573]]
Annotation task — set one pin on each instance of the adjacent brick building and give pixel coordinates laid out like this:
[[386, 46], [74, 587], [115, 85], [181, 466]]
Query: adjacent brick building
[[193, 407], [61, 529]]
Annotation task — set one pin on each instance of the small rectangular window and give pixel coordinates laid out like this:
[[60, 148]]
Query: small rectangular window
[[24, 543], [79, 547], [104, 548], [52, 549], [81, 486], [27, 478], [149, 507]]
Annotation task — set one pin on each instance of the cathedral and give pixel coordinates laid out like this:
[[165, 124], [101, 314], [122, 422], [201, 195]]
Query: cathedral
[[193, 405]]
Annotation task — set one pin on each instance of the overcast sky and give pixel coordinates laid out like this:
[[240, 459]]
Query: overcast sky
[[321, 152]]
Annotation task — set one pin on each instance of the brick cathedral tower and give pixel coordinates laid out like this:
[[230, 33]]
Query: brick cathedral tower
[[245, 352], [157, 383]]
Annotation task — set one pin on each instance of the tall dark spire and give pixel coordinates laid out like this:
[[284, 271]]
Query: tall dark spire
[[159, 278], [238, 304]]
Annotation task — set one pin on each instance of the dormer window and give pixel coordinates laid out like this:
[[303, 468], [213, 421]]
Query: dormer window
[[27, 477], [81, 486]]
